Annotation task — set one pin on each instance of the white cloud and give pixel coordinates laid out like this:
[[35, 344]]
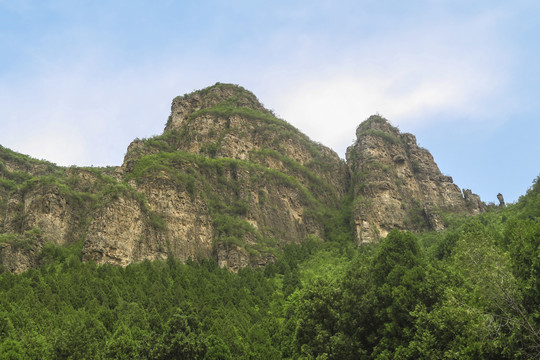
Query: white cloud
[[62, 146], [83, 115], [455, 69], [323, 89]]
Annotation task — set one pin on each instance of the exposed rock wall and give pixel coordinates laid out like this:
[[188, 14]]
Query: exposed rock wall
[[226, 121], [228, 214], [115, 234], [500, 197], [398, 185], [43, 207], [16, 260]]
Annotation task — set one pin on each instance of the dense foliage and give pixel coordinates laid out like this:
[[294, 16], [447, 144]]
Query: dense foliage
[[156, 310], [471, 292]]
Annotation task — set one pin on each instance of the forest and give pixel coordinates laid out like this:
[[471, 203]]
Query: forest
[[471, 291]]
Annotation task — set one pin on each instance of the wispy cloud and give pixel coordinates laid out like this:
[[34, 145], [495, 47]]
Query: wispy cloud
[[453, 68], [80, 114], [323, 71]]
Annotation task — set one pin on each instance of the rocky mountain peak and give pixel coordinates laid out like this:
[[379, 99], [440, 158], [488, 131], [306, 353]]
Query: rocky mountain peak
[[223, 95], [376, 123], [398, 185]]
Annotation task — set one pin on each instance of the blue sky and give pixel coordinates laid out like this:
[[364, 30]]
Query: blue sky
[[79, 80]]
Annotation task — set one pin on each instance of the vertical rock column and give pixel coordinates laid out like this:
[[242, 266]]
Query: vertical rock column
[[398, 185]]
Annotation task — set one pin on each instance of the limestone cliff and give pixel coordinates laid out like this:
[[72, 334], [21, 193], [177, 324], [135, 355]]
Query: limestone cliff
[[226, 180], [398, 185], [227, 121], [54, 208]]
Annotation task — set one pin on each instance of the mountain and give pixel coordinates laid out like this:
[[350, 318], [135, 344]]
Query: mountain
[[398, 185], [239, 238], [226, 180]]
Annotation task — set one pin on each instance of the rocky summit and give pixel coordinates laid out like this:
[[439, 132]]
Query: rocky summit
[[226, 180], [398, 185]]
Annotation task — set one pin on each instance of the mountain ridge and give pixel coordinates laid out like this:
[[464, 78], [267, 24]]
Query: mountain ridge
[[226, 180]]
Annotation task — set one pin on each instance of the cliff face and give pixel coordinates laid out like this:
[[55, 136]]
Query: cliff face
[[225, 121], [195, 207], [398, 185], [55, 207], [226, 180]]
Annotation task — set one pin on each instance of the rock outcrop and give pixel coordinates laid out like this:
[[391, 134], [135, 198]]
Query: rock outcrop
[[474, 204], [398, 185], [500, 197], [225, 121], [226, 180]]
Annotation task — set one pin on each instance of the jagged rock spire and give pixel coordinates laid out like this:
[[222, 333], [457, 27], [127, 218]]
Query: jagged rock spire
[[397, 184]]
